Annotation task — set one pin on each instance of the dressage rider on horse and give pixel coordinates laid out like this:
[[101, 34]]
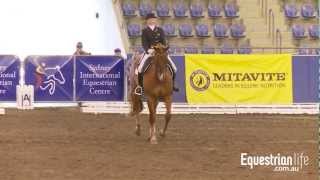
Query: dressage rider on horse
[[151, 35]]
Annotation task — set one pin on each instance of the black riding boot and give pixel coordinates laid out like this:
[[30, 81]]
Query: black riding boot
[[174, 84], [140, 79]]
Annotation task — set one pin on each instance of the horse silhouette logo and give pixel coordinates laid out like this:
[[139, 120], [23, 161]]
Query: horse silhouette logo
[[47, 78], [200, 80]]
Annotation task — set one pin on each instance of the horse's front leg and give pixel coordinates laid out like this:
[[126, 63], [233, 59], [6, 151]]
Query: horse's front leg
[[168, 103], [152, 104]]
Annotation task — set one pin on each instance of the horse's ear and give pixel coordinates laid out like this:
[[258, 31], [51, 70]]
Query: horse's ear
[[155, 47], [166, 48]]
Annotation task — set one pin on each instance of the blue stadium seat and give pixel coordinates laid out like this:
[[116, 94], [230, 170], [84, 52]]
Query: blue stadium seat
[[308, 11], [207, 50], [134, 30], [304, 50], [314, 31], [237, 30], [169, 30], [220, 31], [144, 9], [190, 50], [138, 49], [231, 10], [244, 49], [128, 9], [185, 30], [196, 10], [291, 11], [226, 48], [298, 31], [180, 10], [202, 30], [163, 9], [214, 11], [174, 50]]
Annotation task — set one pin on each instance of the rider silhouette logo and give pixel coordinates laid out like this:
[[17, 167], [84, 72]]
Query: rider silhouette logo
[[200, 80], [48, 77]]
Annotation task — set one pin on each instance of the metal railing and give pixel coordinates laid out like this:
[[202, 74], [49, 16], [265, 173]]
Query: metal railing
[[271, 25], [261, 3], [278, 41], [264, 9], [259, 50]]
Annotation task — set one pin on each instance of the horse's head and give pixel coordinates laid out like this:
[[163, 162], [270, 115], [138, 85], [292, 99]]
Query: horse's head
[[160, 49], [161, 54]]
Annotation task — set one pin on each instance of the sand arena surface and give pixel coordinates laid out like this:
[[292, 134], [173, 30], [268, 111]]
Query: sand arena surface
[[64, 144]]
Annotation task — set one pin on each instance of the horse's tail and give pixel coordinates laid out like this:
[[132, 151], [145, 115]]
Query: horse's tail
[[136, 104], [135, 100]]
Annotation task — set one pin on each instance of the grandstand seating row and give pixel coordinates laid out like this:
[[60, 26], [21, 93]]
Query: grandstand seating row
[[180, 9], [308, 10], [216, 26], [220, 30], [227, 48], [299, 31]]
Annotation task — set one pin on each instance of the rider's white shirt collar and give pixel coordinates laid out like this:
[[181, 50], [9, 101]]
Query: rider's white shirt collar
[[152, 27]]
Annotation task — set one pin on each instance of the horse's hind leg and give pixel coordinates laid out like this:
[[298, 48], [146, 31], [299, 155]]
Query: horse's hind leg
[[168, 102], [138, 126], [136, 108], [152, 104]]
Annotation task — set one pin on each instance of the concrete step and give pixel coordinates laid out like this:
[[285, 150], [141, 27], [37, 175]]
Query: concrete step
[[256, 25], [261, 42], [256, 28], [260, 35], [250, 14]]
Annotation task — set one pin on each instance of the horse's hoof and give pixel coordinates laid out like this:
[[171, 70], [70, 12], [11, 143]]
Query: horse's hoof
[[138, 131], [153, 141], [162, 134]]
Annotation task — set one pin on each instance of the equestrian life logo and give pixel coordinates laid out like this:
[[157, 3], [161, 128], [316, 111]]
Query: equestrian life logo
[[47, 78], [200, 80], [294, 162]]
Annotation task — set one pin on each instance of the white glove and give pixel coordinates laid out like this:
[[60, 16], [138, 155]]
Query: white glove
[[150, 51]]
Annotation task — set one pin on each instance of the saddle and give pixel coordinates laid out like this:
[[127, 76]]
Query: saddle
[[147, 66], [133, 71]]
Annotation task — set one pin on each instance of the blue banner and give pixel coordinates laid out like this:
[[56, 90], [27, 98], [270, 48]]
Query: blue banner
[[99, 78], [9, 77], [51, 76], [305, 80], [180, 79]]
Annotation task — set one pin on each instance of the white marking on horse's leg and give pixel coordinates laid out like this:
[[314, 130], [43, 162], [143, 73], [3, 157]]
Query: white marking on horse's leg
[[168, 101], [150, 133], [137, 120], [161, 76], [138, 126], [153, 137]]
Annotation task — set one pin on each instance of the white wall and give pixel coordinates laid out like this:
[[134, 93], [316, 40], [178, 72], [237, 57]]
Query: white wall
[[52, 27]]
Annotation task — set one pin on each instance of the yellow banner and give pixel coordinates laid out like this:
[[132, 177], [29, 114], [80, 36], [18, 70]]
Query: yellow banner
[[239, 79]]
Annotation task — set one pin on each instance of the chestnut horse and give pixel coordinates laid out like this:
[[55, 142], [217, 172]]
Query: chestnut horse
[[157, 82]]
